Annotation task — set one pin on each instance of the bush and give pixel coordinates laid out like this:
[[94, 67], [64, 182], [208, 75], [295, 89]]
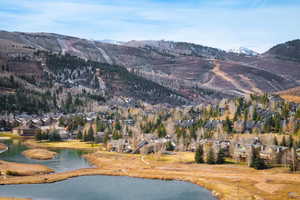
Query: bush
[[210, 157], [170, 146], [220, 157], [54, 136], [199, 155], [257, 162]]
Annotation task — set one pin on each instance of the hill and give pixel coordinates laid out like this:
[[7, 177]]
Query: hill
[[288, 50], [189, 73]]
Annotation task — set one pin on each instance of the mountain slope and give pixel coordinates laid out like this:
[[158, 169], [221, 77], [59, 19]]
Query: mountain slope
[[288, 51], [195, 72]]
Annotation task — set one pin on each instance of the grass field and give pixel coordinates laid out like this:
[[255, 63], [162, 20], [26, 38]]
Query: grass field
[[72, 144], [9, 135]]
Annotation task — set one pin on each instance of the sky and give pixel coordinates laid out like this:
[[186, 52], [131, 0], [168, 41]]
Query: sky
[[225, 24]]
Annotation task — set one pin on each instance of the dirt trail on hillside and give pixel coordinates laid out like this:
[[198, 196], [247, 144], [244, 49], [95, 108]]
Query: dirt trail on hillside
[[218, 72]]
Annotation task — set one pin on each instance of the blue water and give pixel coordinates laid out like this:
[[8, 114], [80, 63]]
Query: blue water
[[108, 188], [66, 159], [94, 187]]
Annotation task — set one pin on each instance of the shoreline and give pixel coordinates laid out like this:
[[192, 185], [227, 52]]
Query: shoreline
[[3, 147], [58, 177], [227, 181]]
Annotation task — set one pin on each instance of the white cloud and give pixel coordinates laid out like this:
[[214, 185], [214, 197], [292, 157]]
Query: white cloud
[[217, 23]]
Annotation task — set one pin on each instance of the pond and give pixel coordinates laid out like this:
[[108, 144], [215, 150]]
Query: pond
[[108, 188], [66, 159], [93, 187]]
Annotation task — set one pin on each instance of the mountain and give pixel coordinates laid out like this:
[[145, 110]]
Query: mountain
[[111, 42], [288, 50], [186, 72], [243, 50]]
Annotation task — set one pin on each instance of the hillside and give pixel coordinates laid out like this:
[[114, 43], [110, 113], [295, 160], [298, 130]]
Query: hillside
[[292, 94], [45, 82], [191, 72], [288, 50]]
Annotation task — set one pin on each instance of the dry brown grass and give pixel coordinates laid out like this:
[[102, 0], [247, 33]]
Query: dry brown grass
[[229, 181], [10, 198], [291, 98], [292, 94], [70, 144], [20, 169], [39, 154]]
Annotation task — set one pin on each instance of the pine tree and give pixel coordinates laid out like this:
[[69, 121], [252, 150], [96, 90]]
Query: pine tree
[[210, 156], [199, 155], [228, 125], [162, 131], [256, 161], [255, 115], [118, 126], [79, 135], [293, 163], [220, 157], [290, 142], [90, 135], [39, 136]]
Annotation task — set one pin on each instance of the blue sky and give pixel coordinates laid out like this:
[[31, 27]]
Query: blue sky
[[257, 24]]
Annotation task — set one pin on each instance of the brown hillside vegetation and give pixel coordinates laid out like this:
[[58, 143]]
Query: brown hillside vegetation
[[292, 94]]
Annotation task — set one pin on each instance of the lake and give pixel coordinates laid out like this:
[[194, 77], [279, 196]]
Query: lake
[[109, 188], [66, 159], [94, 187]]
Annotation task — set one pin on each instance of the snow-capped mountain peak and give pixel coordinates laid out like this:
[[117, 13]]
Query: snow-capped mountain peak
[[112, 42], [243, 50]]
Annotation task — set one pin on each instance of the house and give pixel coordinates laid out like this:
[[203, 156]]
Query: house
[[274, 154], [29, 129], [63, 134], [100, 137]]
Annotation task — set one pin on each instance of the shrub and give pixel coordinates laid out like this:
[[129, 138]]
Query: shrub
[[199, 155]]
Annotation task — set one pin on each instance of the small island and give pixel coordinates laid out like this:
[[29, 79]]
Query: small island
[[22, 169], [2, 147], [39, 154]]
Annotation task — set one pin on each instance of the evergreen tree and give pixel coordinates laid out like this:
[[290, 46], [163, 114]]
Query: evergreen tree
[[294, 161], [162, 131], [256, 161], [297, 113], [118, 126], [39, 136], [255, 115], [54, 136], [220, 157], [100, 127], [228, 125], [90, 134], [290, 142], [210, 156], [106, 137], [199, 155], [79, 135], [170, 146]]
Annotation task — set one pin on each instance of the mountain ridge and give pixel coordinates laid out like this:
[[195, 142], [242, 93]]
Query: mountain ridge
[[196, 72]]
